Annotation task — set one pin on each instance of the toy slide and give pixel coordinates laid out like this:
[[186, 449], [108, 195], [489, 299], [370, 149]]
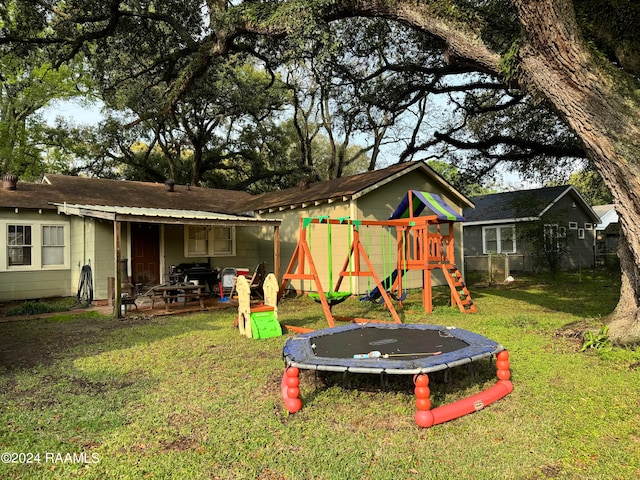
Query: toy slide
[[387, 283]]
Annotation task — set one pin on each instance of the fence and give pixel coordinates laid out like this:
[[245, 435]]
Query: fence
[[497, 267]]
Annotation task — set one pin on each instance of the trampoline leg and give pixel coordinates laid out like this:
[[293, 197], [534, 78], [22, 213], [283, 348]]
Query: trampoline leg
[[290, 389], [424, 417]]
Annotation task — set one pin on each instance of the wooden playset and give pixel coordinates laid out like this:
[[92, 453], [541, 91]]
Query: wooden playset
[[422, 242]]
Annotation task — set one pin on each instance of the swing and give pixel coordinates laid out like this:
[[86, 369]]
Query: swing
[[389, 273], [403, 258], [387, 266], [333, 297]]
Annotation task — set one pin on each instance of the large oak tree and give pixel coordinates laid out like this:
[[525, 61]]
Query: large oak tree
[[580, 57]]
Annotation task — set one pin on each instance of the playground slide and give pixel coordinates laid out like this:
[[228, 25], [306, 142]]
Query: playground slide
[[375, 294]]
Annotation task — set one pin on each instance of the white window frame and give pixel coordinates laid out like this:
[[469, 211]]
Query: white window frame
[[59, 243], [202, 249], [36, 245], [498, 229], [588, 226], [581, 233], [573, 225], [209, 248], [23, 245]]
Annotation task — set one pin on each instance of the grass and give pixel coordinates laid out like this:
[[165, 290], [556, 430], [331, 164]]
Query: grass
[[187, 397]]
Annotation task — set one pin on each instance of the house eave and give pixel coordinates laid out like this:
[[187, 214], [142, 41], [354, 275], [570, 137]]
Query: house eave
[[500, 221], [160, 216]]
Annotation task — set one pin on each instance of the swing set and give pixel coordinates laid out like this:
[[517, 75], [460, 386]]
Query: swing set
[[422, 242]]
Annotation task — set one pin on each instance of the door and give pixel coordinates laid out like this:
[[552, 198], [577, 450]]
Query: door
[[145, 253]]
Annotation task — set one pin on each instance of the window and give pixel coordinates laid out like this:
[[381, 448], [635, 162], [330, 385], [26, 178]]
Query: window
[[222, 241], [573, 225], [52, 245], [19, 245], [38, 244], [499, 239], [588, 226], [581, 233], [202, 241], [196, 241]]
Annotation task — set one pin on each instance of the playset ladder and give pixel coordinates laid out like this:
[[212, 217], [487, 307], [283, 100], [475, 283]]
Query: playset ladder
[[460, 295]]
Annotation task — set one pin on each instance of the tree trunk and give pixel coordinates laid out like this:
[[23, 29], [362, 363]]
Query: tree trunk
[[624, 325], [591, 96]]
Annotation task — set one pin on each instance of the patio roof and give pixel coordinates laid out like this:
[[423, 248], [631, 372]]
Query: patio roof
[[159, 215]]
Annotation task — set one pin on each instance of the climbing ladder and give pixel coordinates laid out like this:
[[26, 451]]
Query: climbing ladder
[[460, 295]]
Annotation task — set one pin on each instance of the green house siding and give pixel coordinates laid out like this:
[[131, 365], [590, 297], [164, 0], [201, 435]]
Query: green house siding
[[101, 255], [35, 280], [247, 253]]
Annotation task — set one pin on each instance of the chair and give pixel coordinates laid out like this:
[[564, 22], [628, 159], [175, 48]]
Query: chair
[[257, 281]]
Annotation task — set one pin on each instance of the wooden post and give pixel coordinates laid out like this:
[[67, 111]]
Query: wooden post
[[117, 301], [276, 251]]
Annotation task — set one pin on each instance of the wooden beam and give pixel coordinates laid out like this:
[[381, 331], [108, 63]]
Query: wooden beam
[[118, 286]]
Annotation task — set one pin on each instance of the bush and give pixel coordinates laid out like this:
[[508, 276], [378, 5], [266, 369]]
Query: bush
[[35, 308]]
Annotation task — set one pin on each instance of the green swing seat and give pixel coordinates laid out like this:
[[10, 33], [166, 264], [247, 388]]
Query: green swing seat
[[333, 298]]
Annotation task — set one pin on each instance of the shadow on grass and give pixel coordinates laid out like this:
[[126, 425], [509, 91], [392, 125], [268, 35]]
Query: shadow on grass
[[29, 343], [443, 384], [590, 294]]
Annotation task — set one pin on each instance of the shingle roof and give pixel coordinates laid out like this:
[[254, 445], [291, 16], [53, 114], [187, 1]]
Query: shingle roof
[[344, 187], [94, 191], [119, 193], [520, 204]]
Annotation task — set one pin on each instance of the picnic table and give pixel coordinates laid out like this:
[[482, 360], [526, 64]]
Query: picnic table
[[173, 293]]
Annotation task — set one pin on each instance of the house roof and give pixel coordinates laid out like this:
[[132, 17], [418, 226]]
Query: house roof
[[521, 205], [83, 192], [93, 191], [346, 188], [158, 215], [607, 214]]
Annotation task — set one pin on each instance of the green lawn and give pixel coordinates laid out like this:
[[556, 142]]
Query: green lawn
[[188, 397]]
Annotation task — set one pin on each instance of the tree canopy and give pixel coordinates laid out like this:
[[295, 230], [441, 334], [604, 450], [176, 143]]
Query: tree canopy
[[570, 66]]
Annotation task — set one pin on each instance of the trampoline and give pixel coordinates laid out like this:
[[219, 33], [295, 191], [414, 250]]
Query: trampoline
[[396, 349]]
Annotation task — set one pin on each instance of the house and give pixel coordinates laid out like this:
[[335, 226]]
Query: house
[[607, 234], [530, 227], [140, 232], [132, 230], [367, 196]]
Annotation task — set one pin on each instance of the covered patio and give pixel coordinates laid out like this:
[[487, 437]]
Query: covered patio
[[122, 218]]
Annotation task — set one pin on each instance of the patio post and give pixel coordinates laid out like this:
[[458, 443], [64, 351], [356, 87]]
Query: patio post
[[117, 301]]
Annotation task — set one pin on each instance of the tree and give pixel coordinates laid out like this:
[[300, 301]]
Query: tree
[[28, 83], [579, 57], [591, 186]]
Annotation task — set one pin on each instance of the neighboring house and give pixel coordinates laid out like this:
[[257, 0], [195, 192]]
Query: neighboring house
[[51, 230], [506, 223], [367, 196], [607, 234]]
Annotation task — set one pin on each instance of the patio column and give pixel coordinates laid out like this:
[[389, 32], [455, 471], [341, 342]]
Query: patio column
[[117, 301]]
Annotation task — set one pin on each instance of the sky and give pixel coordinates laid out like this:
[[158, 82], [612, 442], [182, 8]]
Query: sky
[[76, 111], [79, 112]]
